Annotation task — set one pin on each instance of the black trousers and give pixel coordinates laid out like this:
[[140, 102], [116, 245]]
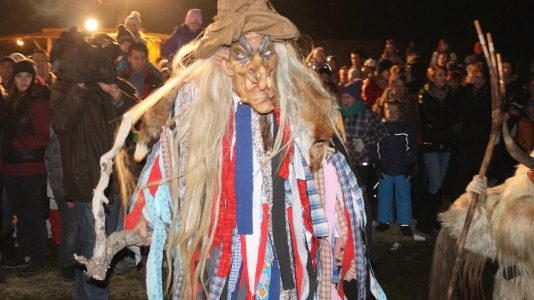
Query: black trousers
[[26, 197]]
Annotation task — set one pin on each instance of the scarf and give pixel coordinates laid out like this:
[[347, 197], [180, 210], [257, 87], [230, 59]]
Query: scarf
[[354, 109]]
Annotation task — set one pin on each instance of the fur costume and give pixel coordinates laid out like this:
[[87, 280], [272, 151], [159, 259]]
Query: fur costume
[[501, 230]]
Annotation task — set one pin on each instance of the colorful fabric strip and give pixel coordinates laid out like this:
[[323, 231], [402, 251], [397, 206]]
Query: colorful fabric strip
[[244, 169]]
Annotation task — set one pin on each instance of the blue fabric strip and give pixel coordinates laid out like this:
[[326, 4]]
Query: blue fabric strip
[[274, 288], [244, 183]]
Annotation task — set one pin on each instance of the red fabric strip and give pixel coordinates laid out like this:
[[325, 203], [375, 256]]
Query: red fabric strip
[[244, 271], [298, 266], [348, 254]]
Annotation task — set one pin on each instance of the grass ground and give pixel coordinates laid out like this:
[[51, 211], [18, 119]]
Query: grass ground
[[403, 274]]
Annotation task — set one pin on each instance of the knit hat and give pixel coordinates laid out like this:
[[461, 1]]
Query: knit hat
[[384, 65], [194, 15], [237, 17], [24, 66], [124, 35], [354, 89], [135, 17], [371, 63]]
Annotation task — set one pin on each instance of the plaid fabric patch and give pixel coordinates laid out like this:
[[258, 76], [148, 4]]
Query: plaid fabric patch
[[318, 216], [342, 228], [236, 263], [352, 196], [216, 283], [365, 126]]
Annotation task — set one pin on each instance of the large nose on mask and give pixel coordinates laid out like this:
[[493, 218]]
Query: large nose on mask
[[259, 71]]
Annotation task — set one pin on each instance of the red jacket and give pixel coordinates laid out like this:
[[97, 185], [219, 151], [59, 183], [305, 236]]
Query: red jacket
[[371, 92]]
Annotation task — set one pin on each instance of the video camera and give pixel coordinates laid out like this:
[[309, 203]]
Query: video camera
[[80, 59]]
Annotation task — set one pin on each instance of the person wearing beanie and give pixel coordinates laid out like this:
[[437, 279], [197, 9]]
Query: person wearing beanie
[[133, 23], [183, 34], [374, 86], [24, 139], [125, 38], [363, 130]]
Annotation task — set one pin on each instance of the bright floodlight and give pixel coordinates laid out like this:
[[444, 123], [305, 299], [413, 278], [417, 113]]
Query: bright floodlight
[[91, 25], [20, 42]]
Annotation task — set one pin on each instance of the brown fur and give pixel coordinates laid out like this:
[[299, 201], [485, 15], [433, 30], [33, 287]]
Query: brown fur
[[502, 229], [154, 119], [470, 275]]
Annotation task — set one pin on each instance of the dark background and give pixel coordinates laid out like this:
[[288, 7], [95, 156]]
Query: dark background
[[365, 22]]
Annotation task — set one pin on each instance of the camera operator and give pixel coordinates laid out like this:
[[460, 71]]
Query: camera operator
[[85, 113]]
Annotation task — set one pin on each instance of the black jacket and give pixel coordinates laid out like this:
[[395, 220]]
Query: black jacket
[[396, 154], [438, 114], [85, 120]]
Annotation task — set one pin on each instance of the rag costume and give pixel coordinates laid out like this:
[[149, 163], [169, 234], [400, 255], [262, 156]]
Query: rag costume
[[247, 187]]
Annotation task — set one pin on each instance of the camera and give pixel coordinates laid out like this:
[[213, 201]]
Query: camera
[[82, 60]]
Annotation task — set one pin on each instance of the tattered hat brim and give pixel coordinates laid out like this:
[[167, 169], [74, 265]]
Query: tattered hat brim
[[229, 28]]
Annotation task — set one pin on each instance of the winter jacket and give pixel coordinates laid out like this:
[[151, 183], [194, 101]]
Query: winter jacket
[[25, 132], [438, 114], [145, 82], [179, 37], [85, 118], [372, 90], [363, 130], [475, 113], [54, 168], [396, 153]]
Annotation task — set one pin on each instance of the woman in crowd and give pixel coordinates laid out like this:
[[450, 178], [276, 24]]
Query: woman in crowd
[[24, 140], [438, 115]]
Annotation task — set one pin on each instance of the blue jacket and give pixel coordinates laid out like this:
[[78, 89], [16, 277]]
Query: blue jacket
[[396, 153]]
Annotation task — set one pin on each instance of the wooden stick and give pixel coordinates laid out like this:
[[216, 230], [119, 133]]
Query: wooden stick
[[482, 41], [493, 66], [502, 85], [495, 130]]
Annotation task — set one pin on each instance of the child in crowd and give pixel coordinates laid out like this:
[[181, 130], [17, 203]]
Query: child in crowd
[[395, 159]]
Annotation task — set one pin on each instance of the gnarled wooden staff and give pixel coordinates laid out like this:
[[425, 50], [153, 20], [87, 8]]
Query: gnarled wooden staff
[[107, 246], [497, 96]]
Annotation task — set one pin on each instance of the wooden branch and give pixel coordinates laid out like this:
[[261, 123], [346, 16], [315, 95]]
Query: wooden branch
[[100, 251], [97, 267]]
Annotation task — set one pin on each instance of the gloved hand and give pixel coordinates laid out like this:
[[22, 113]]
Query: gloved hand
[[358, 145], [478, 185]]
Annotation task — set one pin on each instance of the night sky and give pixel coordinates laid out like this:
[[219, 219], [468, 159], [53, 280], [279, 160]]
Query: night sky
[[423, 21]]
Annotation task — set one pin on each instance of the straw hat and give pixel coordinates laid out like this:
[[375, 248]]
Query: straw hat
[[237, 17]]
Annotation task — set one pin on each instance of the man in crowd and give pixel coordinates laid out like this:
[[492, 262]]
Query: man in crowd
[[6, 68], [84, 115], [42, 65], [144, 76]]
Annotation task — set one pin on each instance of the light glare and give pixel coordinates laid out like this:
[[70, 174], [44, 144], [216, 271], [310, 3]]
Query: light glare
[[91, 25]]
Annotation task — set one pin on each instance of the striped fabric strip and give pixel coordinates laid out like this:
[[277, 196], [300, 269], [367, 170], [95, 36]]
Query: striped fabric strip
[[318, 216], [352, 196]]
